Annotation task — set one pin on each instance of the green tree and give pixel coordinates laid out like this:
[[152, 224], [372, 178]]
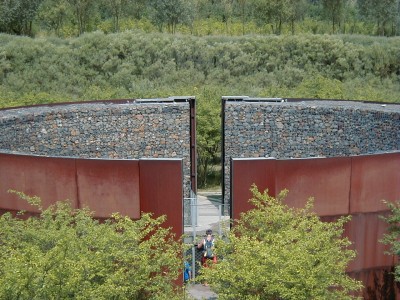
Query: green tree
[[208, 136], [118, 9], [63, 253], [242, 6], [383, 13], [16, 16], [334, 10], [296, 11], [83, 11], [277, 12], [170, 13], [54, 14], [263, 12], [277, 252], [391, 238], [227, 11]]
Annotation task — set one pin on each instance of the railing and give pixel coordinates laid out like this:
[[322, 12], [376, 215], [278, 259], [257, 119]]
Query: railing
[[205, 214]]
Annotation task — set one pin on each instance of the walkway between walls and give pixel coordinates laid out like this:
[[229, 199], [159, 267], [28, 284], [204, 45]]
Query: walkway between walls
[[208, 217], [201, 292], [211, 214]]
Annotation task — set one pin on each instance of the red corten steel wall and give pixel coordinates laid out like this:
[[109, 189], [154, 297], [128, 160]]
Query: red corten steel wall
[[340, 186], [51, 179], [160, 182], [105, 186]]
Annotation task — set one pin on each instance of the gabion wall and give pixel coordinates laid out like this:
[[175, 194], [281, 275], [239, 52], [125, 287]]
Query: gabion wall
[[130, 130], [304, 129]]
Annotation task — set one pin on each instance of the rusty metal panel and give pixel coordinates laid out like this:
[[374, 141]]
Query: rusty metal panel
[[193, 145], [245, 173], [365, 232], [379, 284], [51, 179], [161, 191], [325, 179], [374, 178], [332, 181], [109, 186]]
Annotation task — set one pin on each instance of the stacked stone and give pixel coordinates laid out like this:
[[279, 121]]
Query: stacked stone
[[308, 129], [100, 130]]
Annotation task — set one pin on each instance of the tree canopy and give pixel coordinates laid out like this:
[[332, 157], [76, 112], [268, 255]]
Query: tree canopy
[[277, 252], [391, 238], [63, 253], [201, 17]]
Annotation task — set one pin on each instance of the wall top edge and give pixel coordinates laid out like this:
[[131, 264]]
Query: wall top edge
[[20, 154], [251, 99], [313, 104], [288, 99], [161, 158], [316, 157], [106, 103]]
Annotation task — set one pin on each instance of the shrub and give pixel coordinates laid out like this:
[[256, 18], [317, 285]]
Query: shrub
[[277, 252], [63, 253]]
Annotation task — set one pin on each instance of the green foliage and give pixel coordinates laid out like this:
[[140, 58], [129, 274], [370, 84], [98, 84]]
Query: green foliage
[[277, 252], [208, 134], [320, 87], [16, 17], [138, 64], [391, 238], [170, 13], [53, 15], [66, 18], [385, 13], [64, 253], [334, 11], [126, 24]]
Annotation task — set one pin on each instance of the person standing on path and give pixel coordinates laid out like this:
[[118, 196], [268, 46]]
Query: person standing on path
[[207, 245]]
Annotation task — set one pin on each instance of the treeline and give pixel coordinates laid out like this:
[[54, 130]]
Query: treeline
[[66, 18], [138, 65]]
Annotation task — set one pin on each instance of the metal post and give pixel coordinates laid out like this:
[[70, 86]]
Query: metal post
[[193, 212], [219, 219], [193, 262]]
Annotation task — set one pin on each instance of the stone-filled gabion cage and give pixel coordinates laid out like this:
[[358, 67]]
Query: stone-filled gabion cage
[[114, 129], [302, 128]]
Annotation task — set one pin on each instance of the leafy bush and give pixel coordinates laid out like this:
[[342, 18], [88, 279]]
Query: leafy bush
[[133, 63], [391, 238], [63, 253], [277, 252]]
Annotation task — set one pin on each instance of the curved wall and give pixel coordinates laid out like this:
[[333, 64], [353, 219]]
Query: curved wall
[[98, 136], [285, 129], [343, 153], [126, 129]]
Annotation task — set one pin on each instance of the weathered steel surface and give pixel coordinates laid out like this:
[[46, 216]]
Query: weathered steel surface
[[379, 282], [374, 178], [327, 180], [51, 179], [340, 186], [105, 186], [161, 191], [109, 186], [245, 173], [365, 231]]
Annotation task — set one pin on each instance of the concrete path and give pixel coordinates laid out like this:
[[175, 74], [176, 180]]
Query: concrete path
[[208, 216], [201, 292]]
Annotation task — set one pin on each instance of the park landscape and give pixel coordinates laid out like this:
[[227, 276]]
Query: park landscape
[[68, 51]]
